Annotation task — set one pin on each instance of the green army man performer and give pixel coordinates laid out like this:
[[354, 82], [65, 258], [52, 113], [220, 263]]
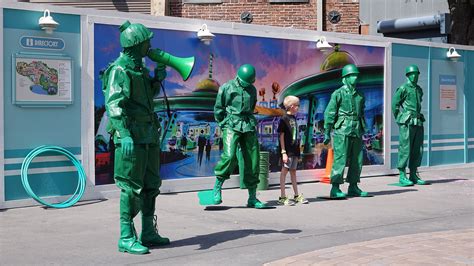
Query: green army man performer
[[406, 107], [345, 114], [129, 92], [233, 111]]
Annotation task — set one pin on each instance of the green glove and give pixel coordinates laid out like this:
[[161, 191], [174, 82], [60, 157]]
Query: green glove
[[127, 146], [327, 134], [327, 138], [160, 71]]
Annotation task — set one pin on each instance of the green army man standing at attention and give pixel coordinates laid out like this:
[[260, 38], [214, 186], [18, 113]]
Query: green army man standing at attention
[[345, 114], [406, 107], [233, 111]]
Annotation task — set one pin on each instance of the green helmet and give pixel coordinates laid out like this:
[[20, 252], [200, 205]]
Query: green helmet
[[411, 69], [133, 34], [246, 75], [349, 69]]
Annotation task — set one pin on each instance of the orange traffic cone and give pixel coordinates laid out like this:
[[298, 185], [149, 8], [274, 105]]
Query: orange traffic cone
[[326, 177]]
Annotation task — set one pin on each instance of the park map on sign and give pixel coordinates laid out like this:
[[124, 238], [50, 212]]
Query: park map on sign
[[44, 78]]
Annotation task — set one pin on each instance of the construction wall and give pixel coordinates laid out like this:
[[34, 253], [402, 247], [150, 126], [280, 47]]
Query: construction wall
[[34, 116], [68, 119], [448, 131]]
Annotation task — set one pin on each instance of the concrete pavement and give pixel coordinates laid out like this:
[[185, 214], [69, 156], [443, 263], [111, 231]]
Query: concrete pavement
[[231, 234], [454, 247]]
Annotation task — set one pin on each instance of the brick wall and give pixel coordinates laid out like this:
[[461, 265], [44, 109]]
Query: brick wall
[[298, 15], [349, 10]]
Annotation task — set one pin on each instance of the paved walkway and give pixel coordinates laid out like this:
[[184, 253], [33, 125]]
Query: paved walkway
[[440, 248], [417, 225]]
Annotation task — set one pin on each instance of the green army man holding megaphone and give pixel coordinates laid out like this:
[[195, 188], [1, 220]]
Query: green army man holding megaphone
[[129, 91]]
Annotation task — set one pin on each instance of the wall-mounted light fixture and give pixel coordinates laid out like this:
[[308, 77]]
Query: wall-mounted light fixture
[[205, 35], [47, 23], [323, 45], [452, 54]]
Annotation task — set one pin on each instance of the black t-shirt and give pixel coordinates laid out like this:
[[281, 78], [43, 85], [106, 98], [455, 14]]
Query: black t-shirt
[[289, 128]]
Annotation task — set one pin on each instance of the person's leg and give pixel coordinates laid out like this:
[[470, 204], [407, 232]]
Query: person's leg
[[200, 153], [294, 183], [416, 155], [227, 163], [339, 163], [298, 198], [251, 155], [355, 167], [283, 199], [152, 183], [128, 175], [403, 154], [284, 172]]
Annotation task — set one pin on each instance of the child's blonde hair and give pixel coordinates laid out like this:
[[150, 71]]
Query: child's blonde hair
[[290, 100]]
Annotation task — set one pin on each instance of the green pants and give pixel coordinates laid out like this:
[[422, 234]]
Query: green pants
[[410, 148], [250, 152], [138, 176], [347, 148]]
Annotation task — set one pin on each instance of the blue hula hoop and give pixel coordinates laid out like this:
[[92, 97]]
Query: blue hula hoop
[[81, 185]]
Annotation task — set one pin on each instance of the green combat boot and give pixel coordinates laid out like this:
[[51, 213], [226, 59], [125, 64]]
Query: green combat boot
[[217, 191], [415, 178], [253, 202], [336, 192], [150, 236], [128, 241], [355, 191], [404, 181]]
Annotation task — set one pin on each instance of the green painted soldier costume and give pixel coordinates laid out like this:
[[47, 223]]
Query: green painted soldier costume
[[406, 107], [129, 92], [345, 114], [233, 112]]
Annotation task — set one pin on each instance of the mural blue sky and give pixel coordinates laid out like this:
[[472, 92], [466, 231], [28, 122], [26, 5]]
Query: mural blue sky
[[276, 60]]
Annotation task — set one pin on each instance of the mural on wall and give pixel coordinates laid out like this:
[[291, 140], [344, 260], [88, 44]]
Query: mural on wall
[[192, 140]]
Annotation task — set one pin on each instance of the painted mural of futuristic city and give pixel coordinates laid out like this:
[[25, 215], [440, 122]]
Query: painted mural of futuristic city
[[191, 139]]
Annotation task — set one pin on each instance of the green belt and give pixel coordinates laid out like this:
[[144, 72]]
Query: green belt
[[416, 115], [351, 117]]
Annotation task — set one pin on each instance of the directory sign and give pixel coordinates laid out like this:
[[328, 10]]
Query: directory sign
[[42, 80]]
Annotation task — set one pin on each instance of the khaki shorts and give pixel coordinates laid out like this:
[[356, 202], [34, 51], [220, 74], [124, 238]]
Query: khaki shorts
[[292, 162]]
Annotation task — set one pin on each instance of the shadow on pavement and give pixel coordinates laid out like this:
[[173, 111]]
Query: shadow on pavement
[[391, 192], [224, 208], [210, 240], [446, 180], [79, 204]]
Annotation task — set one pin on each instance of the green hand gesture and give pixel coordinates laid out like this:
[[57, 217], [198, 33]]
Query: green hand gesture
[[127, 146]]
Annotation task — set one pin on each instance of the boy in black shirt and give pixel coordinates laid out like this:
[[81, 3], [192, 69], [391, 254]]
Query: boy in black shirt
[[290, 149]]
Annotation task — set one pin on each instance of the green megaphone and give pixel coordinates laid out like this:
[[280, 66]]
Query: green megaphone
[[184, 65]]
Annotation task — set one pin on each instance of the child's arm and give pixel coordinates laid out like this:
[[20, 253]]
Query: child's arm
[[284, 156]]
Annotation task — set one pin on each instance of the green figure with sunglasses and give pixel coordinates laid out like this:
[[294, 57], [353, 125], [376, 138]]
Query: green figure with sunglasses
[[345, 114], [406, 107], [233, 111]]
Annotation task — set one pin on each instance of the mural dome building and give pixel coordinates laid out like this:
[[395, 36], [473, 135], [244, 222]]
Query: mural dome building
[[314, 92]]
